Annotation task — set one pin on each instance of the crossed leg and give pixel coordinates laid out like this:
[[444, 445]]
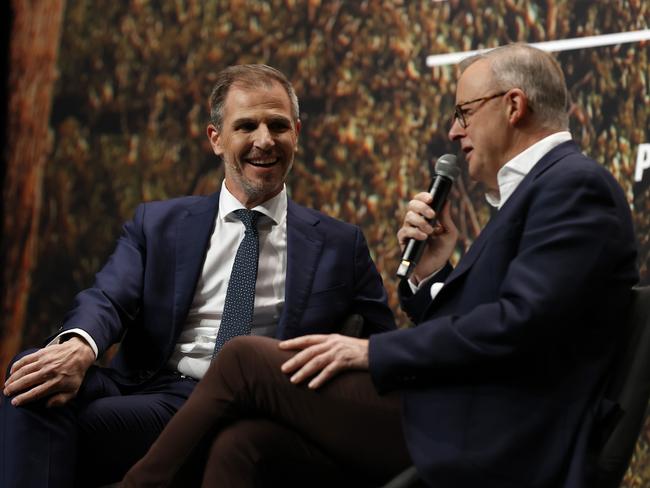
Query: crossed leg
[[249, 408]]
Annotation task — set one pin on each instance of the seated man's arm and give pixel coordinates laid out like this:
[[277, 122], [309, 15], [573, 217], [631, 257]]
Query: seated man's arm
[[105, 310], [321, 357], [100, 312]]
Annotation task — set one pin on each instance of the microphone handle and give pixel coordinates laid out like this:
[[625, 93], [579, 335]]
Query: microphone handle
[[439, 190]]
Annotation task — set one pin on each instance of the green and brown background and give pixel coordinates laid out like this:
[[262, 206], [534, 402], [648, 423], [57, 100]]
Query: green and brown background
[[106, 106]]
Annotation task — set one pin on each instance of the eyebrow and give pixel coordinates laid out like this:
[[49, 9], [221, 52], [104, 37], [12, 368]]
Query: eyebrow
[[272, 119]]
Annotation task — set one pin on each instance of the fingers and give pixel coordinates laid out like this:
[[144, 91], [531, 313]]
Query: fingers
[[27, 379], [447, 224], [62, 388], [36, 380], [24, 373], [416, 224], [310, 349], [323, 357], [331, 370], [322, 363], [25, 360], [56, 369], [303, 341], [424, 197], [60, 391], [419, 209], [417, 221], [36, 393]]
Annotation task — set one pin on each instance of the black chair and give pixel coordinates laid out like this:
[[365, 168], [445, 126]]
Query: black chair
[[629, 387]]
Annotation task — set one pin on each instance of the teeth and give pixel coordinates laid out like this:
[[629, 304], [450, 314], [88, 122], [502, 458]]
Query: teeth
[[262, 162]]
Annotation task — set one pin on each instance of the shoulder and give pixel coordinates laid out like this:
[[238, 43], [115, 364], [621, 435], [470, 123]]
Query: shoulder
[[177, 206], [317, 218], [178, 202], [567, 167]]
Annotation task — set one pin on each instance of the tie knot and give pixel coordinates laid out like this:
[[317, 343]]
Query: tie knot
[[248, 218]]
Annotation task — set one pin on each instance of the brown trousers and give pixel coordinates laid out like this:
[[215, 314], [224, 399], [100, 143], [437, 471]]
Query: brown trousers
[[261, 430]]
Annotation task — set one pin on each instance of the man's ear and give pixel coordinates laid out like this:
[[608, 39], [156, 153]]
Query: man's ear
[[215, 139], [298, 126], [518, 107]]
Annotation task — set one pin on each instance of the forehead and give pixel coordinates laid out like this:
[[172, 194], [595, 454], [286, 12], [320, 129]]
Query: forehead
[[255, 101], [474, 82]]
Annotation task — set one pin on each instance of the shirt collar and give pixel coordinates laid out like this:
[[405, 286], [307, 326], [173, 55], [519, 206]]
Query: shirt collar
[[274, 208], [515, 170]]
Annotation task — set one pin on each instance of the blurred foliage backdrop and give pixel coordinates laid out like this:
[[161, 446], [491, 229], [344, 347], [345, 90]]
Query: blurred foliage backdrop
[[129, 110]]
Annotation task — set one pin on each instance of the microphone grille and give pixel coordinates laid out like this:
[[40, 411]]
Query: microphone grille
[[446, 166]]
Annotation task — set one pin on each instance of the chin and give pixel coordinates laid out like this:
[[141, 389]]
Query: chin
[[262, 190]]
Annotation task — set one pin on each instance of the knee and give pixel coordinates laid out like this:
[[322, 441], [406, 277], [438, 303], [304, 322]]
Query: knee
[[5, 401], [17, 357], [241, 367]]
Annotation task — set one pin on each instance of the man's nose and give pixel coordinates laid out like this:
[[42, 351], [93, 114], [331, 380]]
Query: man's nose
[[455, 131], [263, 137]]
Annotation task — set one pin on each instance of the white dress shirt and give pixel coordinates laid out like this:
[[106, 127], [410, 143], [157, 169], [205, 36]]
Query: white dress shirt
[[509, 177], [515, 170], [193, 350]]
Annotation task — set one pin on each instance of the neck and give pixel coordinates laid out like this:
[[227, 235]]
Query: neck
[[523, 138]]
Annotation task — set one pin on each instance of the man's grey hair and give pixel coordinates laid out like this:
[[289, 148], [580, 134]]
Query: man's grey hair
[[247, 76], [537, 74]]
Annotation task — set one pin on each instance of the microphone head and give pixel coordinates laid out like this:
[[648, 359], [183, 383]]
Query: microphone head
[[446, 166]]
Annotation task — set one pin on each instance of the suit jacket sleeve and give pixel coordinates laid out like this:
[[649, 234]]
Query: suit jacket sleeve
[[106, 309], [563, 261], [415, 303]]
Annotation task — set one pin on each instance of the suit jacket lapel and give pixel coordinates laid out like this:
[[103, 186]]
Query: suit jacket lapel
[[192, 239], [510, 207], [304, 247]]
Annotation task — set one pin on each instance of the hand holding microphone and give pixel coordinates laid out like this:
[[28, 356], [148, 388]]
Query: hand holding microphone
[[425, 211]]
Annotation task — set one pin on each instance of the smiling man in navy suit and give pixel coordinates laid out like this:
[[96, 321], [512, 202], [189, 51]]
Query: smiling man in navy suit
[[162, 294], [500, 383]]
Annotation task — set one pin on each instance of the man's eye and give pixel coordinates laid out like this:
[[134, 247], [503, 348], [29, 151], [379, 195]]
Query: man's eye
[[246, 127], [278, 127]]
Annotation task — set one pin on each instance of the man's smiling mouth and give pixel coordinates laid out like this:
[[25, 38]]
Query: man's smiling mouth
[[262, 162]]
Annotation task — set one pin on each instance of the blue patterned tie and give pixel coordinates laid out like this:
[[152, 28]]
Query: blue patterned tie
[[237, 315]]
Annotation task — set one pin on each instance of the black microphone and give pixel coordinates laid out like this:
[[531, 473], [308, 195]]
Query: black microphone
[[445, 172]]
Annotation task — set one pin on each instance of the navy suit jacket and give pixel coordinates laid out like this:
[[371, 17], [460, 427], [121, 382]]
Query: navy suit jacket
[[502, 377], [142, 295]]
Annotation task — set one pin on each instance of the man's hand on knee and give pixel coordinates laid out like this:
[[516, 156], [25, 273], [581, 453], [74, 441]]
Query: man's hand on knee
[[323, 356], [56, 371]]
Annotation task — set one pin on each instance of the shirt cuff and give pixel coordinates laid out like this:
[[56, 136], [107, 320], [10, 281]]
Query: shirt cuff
[[415, 288], [80, 332]]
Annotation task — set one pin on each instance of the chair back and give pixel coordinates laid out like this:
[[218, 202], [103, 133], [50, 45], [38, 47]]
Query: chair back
[[630, 388]]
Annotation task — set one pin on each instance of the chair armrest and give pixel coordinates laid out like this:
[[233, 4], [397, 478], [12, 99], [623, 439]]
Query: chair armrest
[[353, 326]]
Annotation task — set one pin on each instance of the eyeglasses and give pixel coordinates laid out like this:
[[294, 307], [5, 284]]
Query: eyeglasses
[[459, 112]]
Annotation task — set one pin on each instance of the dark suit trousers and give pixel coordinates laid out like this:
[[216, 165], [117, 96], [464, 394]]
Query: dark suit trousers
[[258, 429], [91, 441]]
